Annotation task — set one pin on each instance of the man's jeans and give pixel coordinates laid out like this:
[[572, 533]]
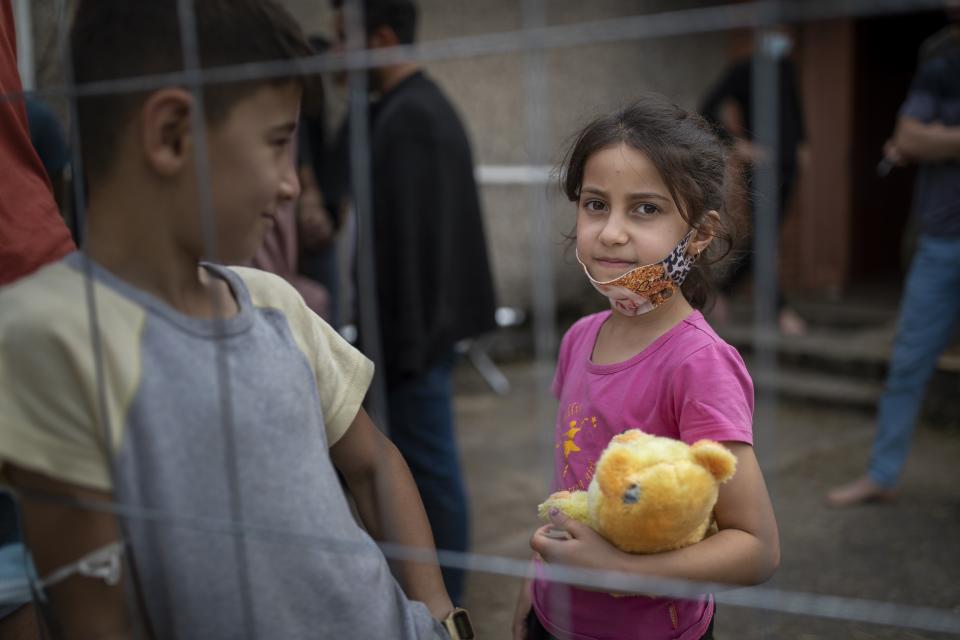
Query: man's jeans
[[421, 425], [929, 313]]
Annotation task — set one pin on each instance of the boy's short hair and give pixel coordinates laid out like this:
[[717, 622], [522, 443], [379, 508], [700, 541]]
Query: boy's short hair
[[115, 39], [399, 15]]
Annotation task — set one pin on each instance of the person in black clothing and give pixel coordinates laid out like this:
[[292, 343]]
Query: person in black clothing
[[434, 284], [729, 105], [323, 179]]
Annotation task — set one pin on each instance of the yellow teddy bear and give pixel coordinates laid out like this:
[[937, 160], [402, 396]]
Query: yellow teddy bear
[[650, 494]]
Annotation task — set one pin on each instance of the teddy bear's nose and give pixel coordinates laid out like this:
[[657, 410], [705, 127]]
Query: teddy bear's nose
[[632, 494]]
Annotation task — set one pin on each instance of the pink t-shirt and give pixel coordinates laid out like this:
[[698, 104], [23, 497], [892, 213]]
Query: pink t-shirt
[[689, 385]]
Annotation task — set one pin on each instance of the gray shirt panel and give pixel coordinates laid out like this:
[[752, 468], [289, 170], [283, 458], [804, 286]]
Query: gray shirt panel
[[311, 571]]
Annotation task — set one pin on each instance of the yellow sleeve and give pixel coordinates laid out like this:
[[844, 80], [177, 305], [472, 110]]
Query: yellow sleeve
[[341, 372], [52, 420]]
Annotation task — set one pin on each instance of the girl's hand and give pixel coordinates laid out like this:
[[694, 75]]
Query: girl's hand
[[584, 548], [524, 604]]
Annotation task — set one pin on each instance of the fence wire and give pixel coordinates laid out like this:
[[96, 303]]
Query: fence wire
[[643, 27], [533, 40]]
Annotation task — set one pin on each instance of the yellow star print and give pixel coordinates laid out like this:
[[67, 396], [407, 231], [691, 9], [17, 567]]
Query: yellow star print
[[569, 446]]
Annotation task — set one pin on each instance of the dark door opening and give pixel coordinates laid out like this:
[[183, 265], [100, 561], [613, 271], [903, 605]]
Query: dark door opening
[[885, 60]]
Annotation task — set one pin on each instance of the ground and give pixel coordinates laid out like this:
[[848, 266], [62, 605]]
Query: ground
[[905, 553]]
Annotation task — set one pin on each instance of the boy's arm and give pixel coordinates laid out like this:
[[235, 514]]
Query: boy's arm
[[58, 535], [926, 142], [746, 550], [390, 507]]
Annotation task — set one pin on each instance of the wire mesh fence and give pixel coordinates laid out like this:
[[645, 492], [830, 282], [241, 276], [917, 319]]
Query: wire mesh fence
[[532, 41]]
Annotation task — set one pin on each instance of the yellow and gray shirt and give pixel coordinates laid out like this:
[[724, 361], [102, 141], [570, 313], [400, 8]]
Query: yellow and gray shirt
[[176, 403]]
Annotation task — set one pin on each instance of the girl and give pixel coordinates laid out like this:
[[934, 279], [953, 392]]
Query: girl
[[649, 182]]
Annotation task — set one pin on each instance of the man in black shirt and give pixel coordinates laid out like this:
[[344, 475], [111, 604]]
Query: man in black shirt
[[434, 285], [729, 105]]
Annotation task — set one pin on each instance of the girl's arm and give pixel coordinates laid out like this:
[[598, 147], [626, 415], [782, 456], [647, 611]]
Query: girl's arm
[[745, 551]]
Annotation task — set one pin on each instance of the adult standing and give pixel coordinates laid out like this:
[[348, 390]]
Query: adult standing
[[730, 106], [434, 285], [927, 133]]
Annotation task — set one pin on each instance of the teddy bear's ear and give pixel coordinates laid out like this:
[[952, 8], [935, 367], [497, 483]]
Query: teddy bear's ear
[[715, 458], [614, 465]]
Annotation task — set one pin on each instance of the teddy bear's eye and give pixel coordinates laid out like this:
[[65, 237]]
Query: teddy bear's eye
[[632, 494]]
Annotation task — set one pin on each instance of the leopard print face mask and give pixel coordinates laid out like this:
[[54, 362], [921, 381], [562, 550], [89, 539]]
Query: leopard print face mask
[[645, 288]]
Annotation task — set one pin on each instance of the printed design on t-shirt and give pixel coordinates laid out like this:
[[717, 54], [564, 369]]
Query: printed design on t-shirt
[[575, 424]]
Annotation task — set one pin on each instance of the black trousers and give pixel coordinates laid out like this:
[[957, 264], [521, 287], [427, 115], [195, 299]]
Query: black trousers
[[741, 258], [535, 630]]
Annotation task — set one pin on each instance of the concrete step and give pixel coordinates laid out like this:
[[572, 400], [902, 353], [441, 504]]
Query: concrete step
[[814, 388], [841, 363], [843, 360], [861, 353], [817, 389]]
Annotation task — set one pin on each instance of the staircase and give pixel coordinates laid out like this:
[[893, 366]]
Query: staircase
[[842, 361]]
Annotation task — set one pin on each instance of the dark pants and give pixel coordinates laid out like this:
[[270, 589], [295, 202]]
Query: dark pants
[[742, 257], [535, 630], [421, 425], [321, 265]]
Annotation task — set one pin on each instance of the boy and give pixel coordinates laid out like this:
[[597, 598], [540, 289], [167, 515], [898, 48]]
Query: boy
[[203, 418]]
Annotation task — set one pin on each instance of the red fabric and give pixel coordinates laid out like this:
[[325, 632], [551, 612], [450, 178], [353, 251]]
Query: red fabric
[[32, 233]]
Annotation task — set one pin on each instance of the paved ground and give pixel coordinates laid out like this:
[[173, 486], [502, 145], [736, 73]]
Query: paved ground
[[906, 553]]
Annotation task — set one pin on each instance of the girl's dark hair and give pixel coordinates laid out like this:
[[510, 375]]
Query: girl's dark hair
[[691, 160]]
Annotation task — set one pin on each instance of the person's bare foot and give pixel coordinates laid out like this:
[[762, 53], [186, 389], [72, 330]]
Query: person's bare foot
[[860, 491], [791, 323]]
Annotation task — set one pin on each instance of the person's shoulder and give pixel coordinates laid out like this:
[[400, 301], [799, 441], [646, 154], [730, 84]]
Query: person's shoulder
[[587, 322], [584, 328], [52, 296], [698, 340], [421, 91], [48, 276], [944, 43], [938, 66], [417, 108], [51, 310], [268, 289]]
